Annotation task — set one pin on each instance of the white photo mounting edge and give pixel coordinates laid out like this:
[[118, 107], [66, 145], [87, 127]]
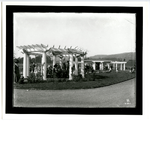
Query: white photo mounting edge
[[10, 109]]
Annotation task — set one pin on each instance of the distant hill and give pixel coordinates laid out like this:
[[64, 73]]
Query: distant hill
[[122, 56]]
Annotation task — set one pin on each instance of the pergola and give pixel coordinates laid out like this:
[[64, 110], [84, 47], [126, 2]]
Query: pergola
[[121, 63], [43, 50], [101, 63]]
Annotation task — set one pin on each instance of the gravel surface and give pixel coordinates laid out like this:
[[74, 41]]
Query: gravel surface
[[118, 95]]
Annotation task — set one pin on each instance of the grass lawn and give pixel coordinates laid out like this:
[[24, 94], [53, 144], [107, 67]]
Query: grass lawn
[[101, 80]]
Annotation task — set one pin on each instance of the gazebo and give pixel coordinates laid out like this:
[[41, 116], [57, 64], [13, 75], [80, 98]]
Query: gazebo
[[43, 51]]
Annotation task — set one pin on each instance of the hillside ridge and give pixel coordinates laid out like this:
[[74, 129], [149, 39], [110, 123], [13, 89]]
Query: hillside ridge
[[121, 56]]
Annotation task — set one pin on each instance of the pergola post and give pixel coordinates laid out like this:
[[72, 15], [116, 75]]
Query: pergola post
[[108, 66], [94, 67], [121, 66], [70, 66], [102, 66], [44, 64], [25, 65], [28, 65], [82, 66], [54, 60], [114, 65], [41, 67], [116, 68], [124, 67], [60, 62], [76, 65]]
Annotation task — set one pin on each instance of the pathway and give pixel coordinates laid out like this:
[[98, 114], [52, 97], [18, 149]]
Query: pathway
[[118, 95]]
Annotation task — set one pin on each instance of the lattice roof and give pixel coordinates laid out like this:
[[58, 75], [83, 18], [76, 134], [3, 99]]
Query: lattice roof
[[39, 49]]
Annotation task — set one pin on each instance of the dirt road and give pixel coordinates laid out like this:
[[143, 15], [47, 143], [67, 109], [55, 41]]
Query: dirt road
[[118, 95]]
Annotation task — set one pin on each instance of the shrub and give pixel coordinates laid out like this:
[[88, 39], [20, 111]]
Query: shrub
[[84, 80], [38, 77], [91, 76], [77, 78], [50, 80], [63, 80], [21, 80], [59, 80], [32, 78], [88, 76], [67, 80]]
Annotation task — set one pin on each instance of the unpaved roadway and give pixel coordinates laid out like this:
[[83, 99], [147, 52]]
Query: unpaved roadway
[[118, 95]]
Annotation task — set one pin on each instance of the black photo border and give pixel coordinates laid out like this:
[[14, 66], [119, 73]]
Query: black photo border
[[10, 9]]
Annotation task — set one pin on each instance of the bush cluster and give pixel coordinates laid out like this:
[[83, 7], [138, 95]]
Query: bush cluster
[[90, 76], [76, 78], [32, 78], [21, 80]]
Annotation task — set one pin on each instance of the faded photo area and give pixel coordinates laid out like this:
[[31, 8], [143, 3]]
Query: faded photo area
[[80, 60]]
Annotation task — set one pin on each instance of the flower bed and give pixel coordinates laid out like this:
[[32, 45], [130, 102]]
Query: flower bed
[[90, 81]]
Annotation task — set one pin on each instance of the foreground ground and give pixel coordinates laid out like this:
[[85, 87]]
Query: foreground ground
[[117, 95]]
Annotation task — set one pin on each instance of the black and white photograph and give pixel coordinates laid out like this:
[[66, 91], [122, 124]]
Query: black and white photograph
[[74, 58], [75, 75]]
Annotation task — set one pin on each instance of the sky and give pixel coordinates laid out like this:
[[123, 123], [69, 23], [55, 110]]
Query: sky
[[97, 33]]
